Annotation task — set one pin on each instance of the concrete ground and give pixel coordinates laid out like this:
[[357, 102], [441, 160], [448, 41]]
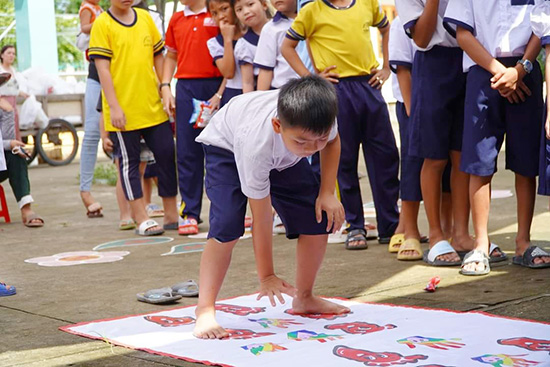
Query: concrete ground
[[48, 298]]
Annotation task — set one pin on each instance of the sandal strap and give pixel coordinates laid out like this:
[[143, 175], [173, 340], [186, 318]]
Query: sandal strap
[[532, 253], [441, 248], [476, 256], [355, 233]]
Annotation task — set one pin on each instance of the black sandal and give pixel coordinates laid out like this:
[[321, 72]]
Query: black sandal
[[357, 235]]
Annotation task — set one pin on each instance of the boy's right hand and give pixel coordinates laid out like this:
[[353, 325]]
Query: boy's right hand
[[330, 76], [227, 30], [272, 286], [547, 125], [168, 101], [118, 118], [107, 144]]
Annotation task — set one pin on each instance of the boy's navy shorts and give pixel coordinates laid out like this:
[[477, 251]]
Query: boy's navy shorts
[[293, 194], [437, 106], [489, 118]]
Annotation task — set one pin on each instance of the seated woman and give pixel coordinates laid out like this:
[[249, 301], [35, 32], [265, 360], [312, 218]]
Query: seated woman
[[17, 168]]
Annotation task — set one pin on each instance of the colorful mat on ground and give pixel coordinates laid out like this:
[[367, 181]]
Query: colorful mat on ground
[[372, 335]]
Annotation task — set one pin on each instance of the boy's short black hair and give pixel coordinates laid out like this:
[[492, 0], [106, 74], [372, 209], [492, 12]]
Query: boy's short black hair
[[310, 103]]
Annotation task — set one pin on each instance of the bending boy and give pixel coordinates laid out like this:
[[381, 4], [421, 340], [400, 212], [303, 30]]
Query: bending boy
[[256, 148]]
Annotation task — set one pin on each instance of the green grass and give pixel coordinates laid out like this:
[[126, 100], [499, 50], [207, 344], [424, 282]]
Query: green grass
[[105, 174]]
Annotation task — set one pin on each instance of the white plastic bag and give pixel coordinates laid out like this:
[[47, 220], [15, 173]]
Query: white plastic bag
[[82, 41], [32, 114]]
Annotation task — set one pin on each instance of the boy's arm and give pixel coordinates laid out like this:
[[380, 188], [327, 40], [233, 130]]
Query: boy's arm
[[422, 31], [404, 79], [168, 70], [265, 77], [288, 50], [379, 76], [118, 119], [327, 201], [247, 74], [159, 65], [262, 240]]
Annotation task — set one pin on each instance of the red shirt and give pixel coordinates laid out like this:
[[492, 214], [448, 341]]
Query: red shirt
[[186, 35]]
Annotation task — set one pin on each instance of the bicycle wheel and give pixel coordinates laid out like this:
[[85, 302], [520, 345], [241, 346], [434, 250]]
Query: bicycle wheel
[[57, 143]]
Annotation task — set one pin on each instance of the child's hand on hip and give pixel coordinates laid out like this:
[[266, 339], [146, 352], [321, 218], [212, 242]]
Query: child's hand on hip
[[273, 286], [329, 75], [334, 209], [379, 76]]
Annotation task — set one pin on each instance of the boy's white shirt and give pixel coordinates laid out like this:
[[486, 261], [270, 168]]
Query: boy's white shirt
[[216, 51], [244, 126], [502, 29], [401, 51], [540, 21], [410, 10], [268, 53]]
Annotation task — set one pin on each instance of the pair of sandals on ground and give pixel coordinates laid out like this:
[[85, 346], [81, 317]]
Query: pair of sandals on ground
[[412, 250], [189, 288]]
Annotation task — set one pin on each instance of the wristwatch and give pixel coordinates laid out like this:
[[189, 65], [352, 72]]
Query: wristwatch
[[164, 85], [527, 65]]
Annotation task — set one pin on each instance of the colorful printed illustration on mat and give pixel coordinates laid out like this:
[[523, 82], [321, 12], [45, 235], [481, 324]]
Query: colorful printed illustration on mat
[[167, 321], [536, 345], [239, 334], [359, 327], [505, 360], [278, 323], [433, 365], [436, 343], [238, 310], [186, 248], [376, 359], [303, 335], [258, 349], [78, 258], [133, 242], [318, 316]]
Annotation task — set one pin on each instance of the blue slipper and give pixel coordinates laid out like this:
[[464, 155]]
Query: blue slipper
[[6, 290], [529, 256]]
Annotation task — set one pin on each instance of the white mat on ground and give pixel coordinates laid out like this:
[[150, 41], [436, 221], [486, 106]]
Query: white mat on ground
[[372, 335]]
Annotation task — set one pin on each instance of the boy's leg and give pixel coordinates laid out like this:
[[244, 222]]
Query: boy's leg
[[348, 180], [480, 199], [526, 192], [446, 203], [293, 194], [18, 175], [381, 157], [123, 205], [460, 183], [127, 142], [484, 129], [215, 261], [310, 252], [190, 156], [227, 211], [161, 142]]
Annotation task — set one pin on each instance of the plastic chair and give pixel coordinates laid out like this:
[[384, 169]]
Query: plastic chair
[[4, 212]]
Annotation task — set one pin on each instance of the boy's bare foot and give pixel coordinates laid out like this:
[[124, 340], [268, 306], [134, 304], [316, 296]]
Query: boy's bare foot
[[314, 304], [206, 326]]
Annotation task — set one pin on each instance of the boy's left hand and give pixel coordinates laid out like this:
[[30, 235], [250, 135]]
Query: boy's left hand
[[334, 209], [506, 82], [272, 286], [379, 76]]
